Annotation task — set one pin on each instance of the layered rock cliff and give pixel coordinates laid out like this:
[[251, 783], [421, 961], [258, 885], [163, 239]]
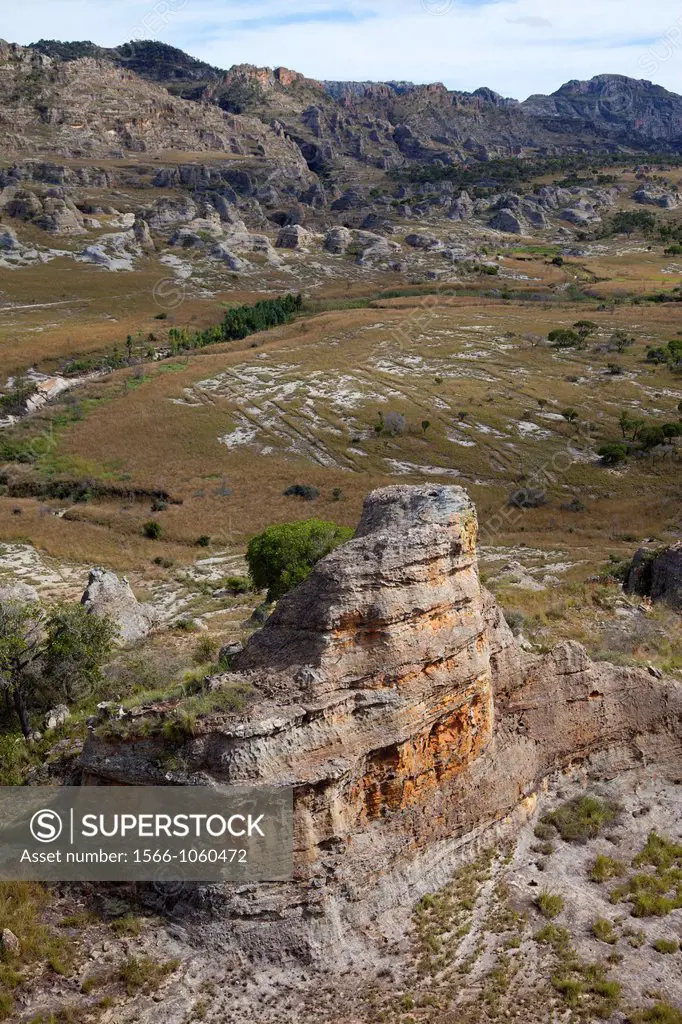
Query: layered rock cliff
[[389, 692]]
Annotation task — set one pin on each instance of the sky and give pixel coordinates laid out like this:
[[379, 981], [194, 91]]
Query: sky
[[517, 47]]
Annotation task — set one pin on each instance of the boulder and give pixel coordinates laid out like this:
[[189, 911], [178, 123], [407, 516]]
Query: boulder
[[56, 717], [389, 692], [581, 212], [657, 574], [186, 238], [314, 196], [235, 264], [509, 222], [24, 205], [656, 197], [352, 199], [9, 943], [21, 593], [423, 241], [60, 217], [170, 211], [230, 650], [337, 240], [534, 214], [293, 236], [8, 240], [462, 208], [143, 235], [108, 595]]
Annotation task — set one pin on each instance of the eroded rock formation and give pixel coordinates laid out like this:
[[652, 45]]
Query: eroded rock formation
[[106, 594], [389, 691]]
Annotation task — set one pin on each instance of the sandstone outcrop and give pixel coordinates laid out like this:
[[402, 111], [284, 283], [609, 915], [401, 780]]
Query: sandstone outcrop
[[388, 690], [293, 236], [658, 575], [106, 594]]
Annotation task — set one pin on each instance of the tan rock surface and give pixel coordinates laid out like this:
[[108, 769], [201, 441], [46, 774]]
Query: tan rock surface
[[389, 691]]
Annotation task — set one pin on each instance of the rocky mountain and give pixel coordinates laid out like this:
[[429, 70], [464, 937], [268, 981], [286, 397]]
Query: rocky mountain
[[91, 107], [615, 106], [342, 126]]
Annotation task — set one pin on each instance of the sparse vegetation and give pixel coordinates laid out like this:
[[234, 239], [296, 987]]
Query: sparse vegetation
[[142, 974], [582, 818], [606, 868], [603, 930], [550, 904]]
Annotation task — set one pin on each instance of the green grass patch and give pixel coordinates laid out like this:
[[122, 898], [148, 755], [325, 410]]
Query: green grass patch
[[605, 868], [550, 904], [603, 930], [582, 818]]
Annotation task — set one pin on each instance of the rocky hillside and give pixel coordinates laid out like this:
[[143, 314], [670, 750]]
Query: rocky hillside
[[341, 126], [92, 108], [615, 106]]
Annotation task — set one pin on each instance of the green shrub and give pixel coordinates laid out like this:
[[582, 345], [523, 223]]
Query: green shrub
[[666, 945], [283, 556], [152, 530], [142, 974], [570, 988], [305, 491], [661, 1013], [238, 584], [613, 454], [205, 650]]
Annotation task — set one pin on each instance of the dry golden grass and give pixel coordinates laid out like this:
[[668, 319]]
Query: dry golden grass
[[432, 356], [140, 434]]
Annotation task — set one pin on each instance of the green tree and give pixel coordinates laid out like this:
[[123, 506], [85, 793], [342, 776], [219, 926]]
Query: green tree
[[613, 454], [76, 645], [564, 338], [628, 221], [570, 415], [49, 656], [630, 425], [283, 556], [620, 340], [586, 328]]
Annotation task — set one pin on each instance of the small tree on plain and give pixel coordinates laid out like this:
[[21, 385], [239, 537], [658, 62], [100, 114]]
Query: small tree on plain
[[563, 338], [586, 328]]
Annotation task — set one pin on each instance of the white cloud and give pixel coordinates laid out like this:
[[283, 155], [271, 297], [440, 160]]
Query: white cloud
[[509, 45], [531, 21]]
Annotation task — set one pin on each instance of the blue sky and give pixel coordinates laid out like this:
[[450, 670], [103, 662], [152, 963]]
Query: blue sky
[[514, 46]]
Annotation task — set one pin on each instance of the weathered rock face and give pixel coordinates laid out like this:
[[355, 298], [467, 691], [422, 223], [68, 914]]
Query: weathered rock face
[[658, 575], [106, 594], [293, 236], [508, 221], [21, 593], [390, 693]]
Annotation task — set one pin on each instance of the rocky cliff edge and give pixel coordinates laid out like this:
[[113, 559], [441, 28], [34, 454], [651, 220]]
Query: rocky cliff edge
[[388, 690]]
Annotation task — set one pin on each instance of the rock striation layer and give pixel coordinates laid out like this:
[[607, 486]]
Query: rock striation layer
[[388, 690]]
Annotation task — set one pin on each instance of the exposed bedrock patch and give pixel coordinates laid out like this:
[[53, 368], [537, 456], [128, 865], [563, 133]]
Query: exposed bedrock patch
[[390, 692]]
